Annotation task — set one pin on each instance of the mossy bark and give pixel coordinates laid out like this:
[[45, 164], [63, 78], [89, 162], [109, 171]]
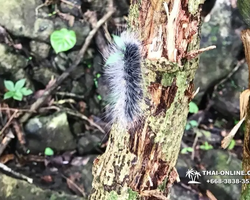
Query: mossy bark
[[244, 9], [139, 164], [245, 36]]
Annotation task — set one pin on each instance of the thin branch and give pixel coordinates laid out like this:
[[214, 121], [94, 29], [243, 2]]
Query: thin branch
[[7, 169], [195, 53], [75, 185], [15, 109], [9, 121], [6, 140]]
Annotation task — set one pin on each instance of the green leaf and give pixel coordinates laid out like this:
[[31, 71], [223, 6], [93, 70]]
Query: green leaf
[[207, 134], [99, 97], [188, 126], [190, 149], [18, 95], [8, 95], [186, 150], [19, 84], [48, 152], [9, 85], [26, 91], [236, 122], [119, 42], [206, 146], [63, 40], [193, 123], [193, 108], [114, 58], [203, 147], [198, 132], [96, 83], [231, 145]]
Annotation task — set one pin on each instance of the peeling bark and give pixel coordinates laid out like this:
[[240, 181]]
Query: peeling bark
[[139, 164]]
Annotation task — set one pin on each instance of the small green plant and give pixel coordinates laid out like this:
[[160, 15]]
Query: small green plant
[[95, 80], [191, 124], [99, 97], [17, 90], [48, 151], [231, 145], [206, 146], [63, 40], [185, 150], [51, 14], [193, 108]]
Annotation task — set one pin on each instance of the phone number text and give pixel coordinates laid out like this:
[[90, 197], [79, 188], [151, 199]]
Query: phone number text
[[228, 181]]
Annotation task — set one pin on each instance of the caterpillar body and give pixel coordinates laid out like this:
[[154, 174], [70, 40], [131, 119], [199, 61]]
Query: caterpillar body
[[122, 72]]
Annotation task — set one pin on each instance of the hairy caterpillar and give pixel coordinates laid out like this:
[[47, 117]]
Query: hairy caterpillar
[[122, 72]]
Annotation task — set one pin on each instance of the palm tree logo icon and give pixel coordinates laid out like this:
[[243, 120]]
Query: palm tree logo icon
[[193, 175]]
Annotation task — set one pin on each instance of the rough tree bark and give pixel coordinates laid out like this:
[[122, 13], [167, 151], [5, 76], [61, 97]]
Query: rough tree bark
[[244, 9], [245, 35], [140, 164]]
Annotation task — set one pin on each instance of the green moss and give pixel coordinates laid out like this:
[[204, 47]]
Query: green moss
[[167, 79], [246, 194], [133, 22], [113, 196], [132, 194]]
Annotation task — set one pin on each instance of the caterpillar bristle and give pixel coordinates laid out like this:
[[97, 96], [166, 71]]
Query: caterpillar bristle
[[122, 72]]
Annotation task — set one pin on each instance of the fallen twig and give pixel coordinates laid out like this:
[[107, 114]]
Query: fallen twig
[[75, 185], [15, 109], [19, 134], [7, 169], [6, 140], [68, 94], [16, 126], [9, 121]]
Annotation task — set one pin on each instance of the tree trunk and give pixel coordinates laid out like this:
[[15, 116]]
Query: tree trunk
[[140, 164], [244, 9], [245, 195]]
